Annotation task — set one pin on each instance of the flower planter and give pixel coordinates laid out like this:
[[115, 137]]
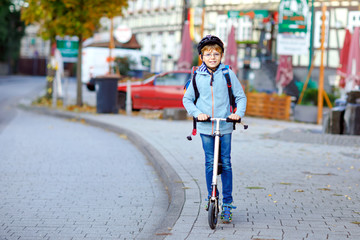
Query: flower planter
[[308, 114]]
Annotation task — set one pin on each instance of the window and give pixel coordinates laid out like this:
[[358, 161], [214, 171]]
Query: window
[[245, 29], [171, 3], [139, 5], [221, 26], [155, 4], [172, 79]]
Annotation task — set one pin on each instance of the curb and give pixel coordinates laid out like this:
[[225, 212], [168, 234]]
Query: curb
[[311, 137], [168, 176]]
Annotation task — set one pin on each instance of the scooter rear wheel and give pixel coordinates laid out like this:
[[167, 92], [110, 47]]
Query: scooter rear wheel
[[213, 215]]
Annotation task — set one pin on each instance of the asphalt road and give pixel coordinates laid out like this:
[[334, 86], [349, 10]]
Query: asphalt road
[[64, 179], [12, 89]]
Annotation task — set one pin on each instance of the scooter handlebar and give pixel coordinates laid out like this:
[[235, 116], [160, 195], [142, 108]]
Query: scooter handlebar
[[221, 119]]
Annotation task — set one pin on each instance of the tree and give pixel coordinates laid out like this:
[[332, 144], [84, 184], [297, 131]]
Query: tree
[[73, 18], [11, 32]]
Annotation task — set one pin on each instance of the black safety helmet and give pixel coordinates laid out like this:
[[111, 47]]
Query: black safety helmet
[[210, 39]]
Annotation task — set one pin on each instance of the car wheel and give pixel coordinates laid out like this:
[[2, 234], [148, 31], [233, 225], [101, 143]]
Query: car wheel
[[90, 87], [122, 100]]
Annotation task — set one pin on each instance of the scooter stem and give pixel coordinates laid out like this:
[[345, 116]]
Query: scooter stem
[[216, 152]]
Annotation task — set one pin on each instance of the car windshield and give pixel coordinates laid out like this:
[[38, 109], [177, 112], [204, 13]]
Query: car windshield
[[172, 79]]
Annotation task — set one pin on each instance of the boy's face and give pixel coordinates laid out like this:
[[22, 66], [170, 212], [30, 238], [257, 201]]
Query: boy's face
[[212, 58]]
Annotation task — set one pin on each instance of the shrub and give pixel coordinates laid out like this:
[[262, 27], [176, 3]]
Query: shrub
[[311, 97]]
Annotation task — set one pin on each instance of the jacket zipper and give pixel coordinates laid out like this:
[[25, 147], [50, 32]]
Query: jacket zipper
[[212, 102]]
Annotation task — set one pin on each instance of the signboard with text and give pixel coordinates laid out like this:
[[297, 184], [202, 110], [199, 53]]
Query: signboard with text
[[250, 13], [290, 44], [68, 47], [293, 16]]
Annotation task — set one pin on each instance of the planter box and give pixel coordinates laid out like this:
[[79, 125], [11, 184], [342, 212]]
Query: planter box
[[308, 114], [268, 106]]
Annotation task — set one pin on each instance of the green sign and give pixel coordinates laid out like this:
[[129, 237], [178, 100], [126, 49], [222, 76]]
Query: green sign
[[68, 48], [293, 16], [145, 61], [250, 13]]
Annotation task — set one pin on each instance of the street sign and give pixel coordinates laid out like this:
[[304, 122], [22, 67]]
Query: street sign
[[293, 16], [291, 44], [123, 34], [250, 13], [68, 47]]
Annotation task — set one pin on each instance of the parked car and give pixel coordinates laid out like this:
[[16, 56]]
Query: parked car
[[164, 90]]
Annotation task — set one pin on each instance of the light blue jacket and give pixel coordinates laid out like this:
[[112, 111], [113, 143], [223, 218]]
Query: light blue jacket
[[214, 100]]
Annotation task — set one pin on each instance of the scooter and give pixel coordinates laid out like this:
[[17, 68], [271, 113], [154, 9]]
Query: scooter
[[213, 205]]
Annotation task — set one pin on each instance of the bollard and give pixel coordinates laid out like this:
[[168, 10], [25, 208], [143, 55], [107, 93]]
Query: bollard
[[128, 98]]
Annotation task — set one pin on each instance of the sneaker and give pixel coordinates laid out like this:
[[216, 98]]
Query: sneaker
[[226, 214], [207, 203]]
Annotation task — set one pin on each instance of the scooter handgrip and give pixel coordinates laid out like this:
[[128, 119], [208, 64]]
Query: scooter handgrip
[[234, 121], [207, 120]]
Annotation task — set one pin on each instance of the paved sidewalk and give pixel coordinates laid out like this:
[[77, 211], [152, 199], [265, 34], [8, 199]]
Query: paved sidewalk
[[285, 185]]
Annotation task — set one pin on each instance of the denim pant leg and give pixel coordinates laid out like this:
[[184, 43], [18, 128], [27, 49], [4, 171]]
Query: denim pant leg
[[208, 142], [226, 175], [208, 146]]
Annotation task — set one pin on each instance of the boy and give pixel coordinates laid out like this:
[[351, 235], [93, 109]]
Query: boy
[[214, 102]]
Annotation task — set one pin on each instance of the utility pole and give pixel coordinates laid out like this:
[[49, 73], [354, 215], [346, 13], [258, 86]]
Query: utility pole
[[321, 76], [202, 19], [311, 53], [111, 45], [202, 25], [185, 15]]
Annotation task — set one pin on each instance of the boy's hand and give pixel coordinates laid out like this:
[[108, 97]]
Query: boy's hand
[[234, 116], [202, 117]]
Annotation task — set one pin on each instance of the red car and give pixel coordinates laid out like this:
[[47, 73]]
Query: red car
[[164, 90]]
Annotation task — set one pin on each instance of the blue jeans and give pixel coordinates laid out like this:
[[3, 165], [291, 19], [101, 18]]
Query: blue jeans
[[208, 142]]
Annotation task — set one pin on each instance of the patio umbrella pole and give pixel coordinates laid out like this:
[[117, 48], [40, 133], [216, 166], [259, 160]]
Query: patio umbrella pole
[[321, 76]]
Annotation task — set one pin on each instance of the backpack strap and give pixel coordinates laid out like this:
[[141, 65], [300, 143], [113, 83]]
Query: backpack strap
[[197, 94], [196, 90], [231, 96], [228, 82]]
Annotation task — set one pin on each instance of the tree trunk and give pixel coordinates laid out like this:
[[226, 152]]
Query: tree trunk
[[50, 73], [79, 101]]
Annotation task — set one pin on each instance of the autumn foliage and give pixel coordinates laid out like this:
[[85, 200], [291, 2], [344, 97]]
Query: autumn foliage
[[70, 18]]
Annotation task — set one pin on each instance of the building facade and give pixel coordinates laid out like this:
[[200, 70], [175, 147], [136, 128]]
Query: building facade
[[157, 25]]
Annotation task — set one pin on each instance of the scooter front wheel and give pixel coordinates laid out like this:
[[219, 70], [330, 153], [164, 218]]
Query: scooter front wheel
[[213, 215]]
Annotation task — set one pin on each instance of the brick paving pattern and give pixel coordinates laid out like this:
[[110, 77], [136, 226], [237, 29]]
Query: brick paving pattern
[[290, 181]]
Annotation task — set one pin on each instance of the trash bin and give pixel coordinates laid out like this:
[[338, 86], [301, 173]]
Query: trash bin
[[352, 119], [334, 120], [106, 94]]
